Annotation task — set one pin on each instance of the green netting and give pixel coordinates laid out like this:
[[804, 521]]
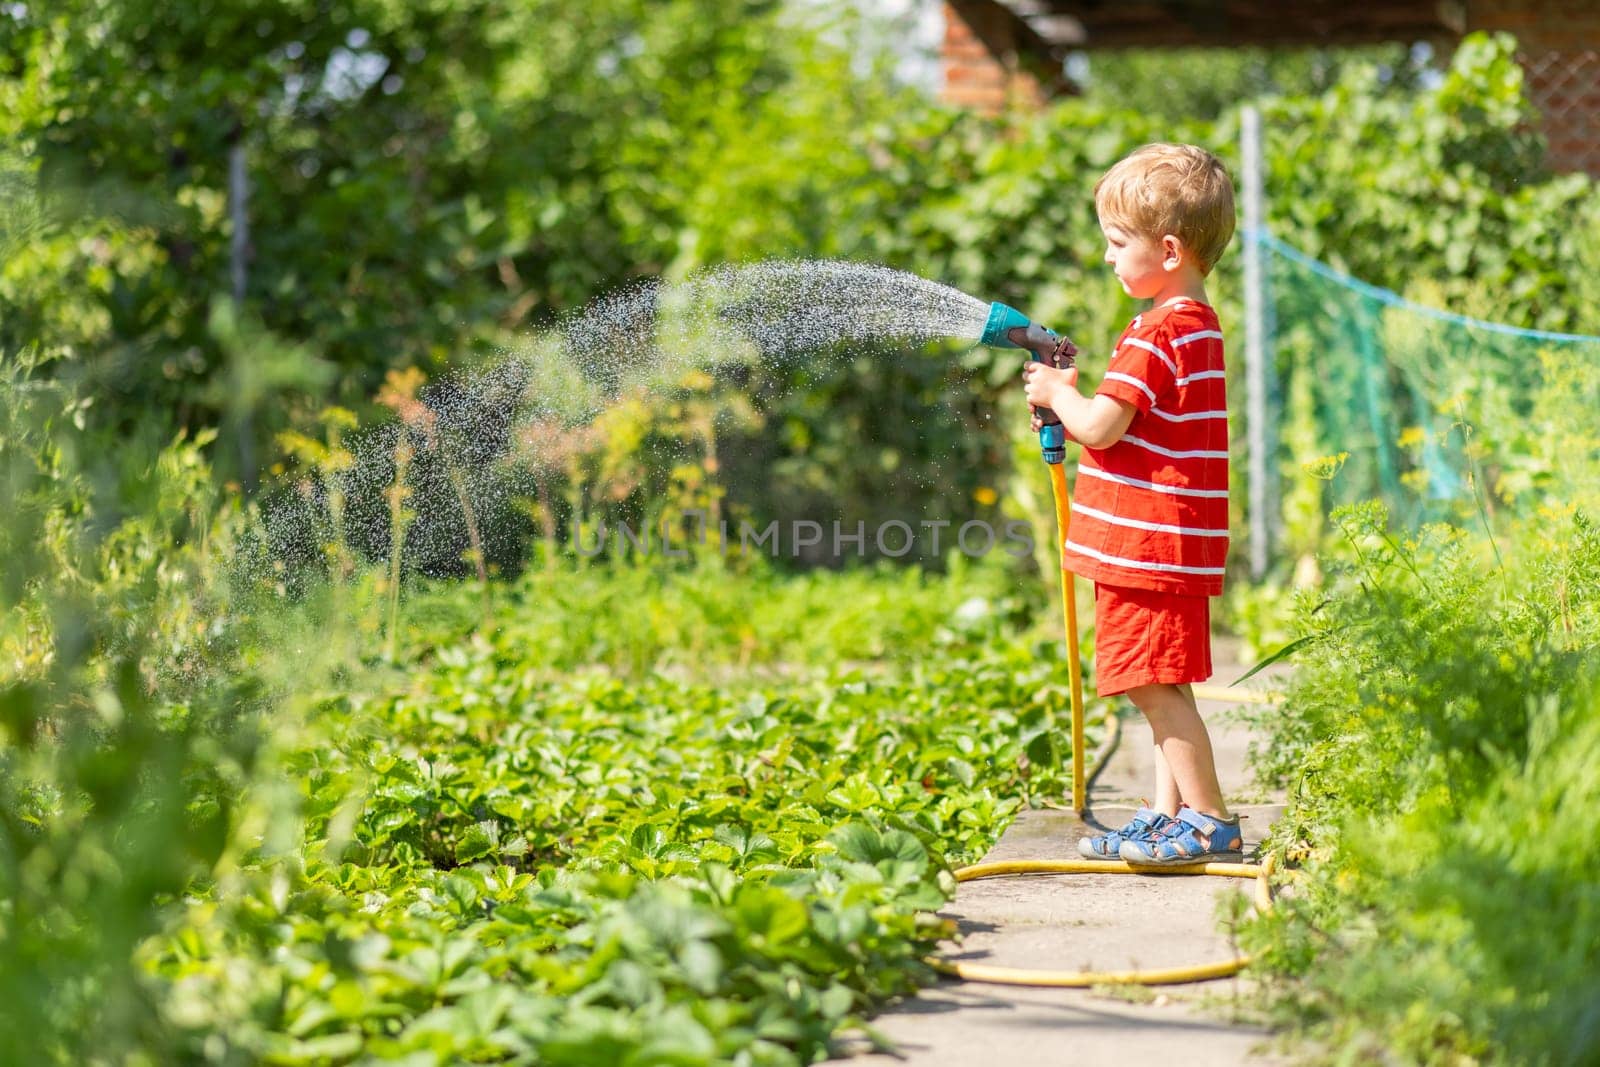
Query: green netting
[[1423, 402]]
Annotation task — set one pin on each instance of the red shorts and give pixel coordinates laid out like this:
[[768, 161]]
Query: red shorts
[[1142, 637]]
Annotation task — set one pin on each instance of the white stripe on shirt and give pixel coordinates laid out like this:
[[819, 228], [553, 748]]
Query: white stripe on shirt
[[1140, 524], [1148, 347], [1202, 376], [1190, 417], [1197, 453], [1196, 336], [1131, 380], [1173, 490], [1139, 564]]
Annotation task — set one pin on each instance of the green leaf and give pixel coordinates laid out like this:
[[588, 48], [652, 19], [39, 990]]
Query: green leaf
[[863, 844], [1279, 655], [770, 915], [474, 844]]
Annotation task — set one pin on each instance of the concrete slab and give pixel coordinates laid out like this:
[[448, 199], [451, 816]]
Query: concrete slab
[[1094, 922], [967, 1025]]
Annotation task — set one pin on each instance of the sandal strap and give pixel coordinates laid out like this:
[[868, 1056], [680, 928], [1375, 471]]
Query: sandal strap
[[1180, 838], [1197, 821], [1142, 820]]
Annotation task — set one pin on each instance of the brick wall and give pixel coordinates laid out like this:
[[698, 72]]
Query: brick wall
[[1558, 42], [981, 67]]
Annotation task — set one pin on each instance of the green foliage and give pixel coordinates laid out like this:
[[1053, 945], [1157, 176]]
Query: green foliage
[[1182, 84], [698, 815], [497, 185], [1439, 743], [506, 854], [741, 612], [1445, 185], [471, 183], [520, 843], [122, 751]]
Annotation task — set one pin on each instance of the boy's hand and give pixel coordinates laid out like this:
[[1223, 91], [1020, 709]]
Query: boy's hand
[[1044, 385]]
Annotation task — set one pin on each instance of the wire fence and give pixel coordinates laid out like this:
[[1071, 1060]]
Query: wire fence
[[1565, 86]]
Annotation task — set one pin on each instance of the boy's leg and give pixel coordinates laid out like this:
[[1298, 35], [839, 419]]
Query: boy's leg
[[1168, 797], [1185, 746]]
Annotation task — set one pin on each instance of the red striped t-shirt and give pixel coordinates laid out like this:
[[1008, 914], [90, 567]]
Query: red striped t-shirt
[[1151, 511]]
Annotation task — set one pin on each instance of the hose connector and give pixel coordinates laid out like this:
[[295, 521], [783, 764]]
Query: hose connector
[[1053, 442]]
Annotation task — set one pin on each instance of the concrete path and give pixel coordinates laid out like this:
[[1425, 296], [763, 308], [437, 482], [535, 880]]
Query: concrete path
[[1100, 922]]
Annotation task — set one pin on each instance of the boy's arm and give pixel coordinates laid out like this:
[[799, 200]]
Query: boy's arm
[[1097, 421]]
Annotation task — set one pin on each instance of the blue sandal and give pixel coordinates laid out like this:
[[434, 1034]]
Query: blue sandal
[[1107, 846], [1178, 842]]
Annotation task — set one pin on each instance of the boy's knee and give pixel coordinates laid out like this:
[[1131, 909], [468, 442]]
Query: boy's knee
[[1159, 699], [1155, 694]]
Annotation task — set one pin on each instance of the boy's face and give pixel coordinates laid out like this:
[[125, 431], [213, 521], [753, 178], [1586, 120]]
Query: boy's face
[[1140, 263]]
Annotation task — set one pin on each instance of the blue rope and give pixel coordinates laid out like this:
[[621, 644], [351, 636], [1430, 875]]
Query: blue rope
[[1394, 299]]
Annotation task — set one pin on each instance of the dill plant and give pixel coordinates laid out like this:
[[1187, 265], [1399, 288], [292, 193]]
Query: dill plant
[[1440, 745]]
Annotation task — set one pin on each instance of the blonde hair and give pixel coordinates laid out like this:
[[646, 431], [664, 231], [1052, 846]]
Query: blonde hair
[[1171, 188]]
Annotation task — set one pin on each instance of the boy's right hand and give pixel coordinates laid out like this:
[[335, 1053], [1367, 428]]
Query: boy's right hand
[[1044, 385]]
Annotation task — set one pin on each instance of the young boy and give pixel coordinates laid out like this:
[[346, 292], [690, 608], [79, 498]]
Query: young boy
[[1150, 510]]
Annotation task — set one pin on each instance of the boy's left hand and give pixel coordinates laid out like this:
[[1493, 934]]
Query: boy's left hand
[[1044, 385]]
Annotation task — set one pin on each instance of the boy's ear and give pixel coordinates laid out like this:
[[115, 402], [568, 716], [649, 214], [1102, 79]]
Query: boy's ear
[[1173, 251]]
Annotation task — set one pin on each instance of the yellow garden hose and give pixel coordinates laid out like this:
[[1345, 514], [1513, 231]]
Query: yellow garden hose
[[1199, 972], [1069, 610], [1262, 873], [1225, 695]]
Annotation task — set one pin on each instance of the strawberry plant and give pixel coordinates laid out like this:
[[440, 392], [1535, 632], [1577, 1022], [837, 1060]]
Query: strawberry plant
[[502, 858]]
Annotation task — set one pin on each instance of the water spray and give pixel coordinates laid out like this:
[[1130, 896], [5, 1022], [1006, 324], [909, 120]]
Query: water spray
[[1006, 327]]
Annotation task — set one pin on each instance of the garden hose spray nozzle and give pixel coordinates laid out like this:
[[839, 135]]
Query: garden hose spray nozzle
[[1009, 328]]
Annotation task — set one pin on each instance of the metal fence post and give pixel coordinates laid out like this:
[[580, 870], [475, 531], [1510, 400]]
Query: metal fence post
[[238, 253], [1259, 508]]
